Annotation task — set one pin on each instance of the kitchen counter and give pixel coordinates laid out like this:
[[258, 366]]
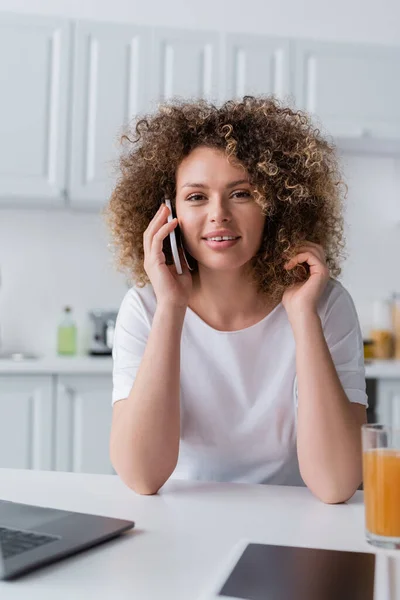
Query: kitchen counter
[[383, 369], [185, 537], [58, 364], [379, 369]]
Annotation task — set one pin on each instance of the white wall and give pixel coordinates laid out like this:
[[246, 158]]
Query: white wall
[[51, 258], [373, 231]]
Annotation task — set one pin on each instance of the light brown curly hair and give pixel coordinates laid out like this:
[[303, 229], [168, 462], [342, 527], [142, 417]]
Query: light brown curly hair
[[293, 169]]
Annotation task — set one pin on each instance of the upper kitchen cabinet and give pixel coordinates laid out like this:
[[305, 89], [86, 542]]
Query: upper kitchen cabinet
[[185, 64], [256, 64], [110, 87], [354, 90], [34, 73]]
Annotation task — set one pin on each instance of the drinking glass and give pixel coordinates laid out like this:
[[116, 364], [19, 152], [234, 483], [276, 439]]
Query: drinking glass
[[381, 473]]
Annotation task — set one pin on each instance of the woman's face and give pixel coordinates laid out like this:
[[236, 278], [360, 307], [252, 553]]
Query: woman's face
[[214, 199]]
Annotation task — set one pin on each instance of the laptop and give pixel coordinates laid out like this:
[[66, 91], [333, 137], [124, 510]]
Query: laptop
[[34, 536]]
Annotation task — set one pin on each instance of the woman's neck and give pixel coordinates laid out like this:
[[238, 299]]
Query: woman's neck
[[227, 301]]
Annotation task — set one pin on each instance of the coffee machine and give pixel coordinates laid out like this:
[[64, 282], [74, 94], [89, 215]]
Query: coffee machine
[[102, 332]]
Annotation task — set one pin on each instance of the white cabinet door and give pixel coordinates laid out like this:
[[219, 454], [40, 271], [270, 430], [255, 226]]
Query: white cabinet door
[[83, 423], [34, 73], [26, 422], [256, 64], [112, 71], [388, 402], [353, 89], [185, 64]]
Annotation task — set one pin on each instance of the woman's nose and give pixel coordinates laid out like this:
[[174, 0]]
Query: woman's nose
[[219, 213]]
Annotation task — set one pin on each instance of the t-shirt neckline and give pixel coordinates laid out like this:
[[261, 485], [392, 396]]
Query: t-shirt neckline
[[196, 316]]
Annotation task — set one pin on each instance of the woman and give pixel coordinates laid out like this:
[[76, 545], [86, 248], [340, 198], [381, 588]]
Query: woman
[[249, 368]]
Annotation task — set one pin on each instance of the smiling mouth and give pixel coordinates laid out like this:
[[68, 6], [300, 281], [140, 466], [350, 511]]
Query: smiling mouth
[[221, 244], [220, 238]]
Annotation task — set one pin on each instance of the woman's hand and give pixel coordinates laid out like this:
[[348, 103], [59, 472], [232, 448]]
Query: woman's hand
[[169, 287], [302, 298]]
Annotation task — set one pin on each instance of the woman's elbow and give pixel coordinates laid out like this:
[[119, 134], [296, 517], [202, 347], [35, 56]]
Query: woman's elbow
[[334, 498], [333, 495], [141, 487], [144, 490]]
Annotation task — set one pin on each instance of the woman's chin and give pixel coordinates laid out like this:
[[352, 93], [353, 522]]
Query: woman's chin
[[221, 264]]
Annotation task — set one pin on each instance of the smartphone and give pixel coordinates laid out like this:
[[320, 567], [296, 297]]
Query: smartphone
[[173, 242]]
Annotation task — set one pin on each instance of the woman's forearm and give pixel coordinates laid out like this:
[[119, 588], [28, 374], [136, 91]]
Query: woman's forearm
[[144, 441], [328, 434]]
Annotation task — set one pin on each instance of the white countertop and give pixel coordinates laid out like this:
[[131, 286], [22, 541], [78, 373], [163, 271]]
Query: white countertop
[[183, 537], [58, 364], [385, 369]]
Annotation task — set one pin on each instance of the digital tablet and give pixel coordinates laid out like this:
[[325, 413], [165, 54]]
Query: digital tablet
[[267, 572]]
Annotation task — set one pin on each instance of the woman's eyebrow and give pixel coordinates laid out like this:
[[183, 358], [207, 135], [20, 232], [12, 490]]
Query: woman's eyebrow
[[203, 185]]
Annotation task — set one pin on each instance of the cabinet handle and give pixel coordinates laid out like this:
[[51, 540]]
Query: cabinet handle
[[366, 133]]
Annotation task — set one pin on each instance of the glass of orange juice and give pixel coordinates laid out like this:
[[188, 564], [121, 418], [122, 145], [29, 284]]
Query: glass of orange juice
[[381, 474]]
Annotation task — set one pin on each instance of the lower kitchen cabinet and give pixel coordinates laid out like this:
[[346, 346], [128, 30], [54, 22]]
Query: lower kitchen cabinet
[[388, 402], [83, 421], [56, 422], [26, 421], [62, 422]]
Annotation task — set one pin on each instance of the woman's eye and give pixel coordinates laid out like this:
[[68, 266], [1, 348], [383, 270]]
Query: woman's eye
[[242, 195], [245, 195], [195, 197]]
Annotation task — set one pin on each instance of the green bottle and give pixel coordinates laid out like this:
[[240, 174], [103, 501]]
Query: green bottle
[[66, 334]]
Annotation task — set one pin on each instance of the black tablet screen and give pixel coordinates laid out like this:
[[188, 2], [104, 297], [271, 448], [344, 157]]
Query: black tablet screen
[[266, 572]]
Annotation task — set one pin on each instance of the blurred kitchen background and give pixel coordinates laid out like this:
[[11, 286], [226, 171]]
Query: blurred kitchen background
[[71, 75]]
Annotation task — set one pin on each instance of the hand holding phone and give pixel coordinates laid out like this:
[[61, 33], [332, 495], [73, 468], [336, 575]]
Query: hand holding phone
[[170, 287], [175, 243]]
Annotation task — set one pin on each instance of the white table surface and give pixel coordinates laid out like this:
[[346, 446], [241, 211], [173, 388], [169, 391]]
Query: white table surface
[[183, 537]]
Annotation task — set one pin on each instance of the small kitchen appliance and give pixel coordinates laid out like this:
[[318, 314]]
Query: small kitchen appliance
[[102, 332]]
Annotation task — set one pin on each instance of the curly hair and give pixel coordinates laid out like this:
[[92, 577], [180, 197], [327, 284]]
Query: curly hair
[[293, 169]]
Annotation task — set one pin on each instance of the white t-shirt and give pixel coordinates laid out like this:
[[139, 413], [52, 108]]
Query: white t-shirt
[[238, 389]]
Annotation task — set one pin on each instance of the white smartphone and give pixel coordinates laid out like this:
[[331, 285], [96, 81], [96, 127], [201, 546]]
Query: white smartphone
[[172, 239]]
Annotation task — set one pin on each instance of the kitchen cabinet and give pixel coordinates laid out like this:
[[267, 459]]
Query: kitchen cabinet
[[26, 422], [56, 414], [119, 72], [56, 422], [185, 64], [110, 86], [105, 74], [354, 90], [256, 64], [83, 408], [388, 408], [69, 88], [34, 83]]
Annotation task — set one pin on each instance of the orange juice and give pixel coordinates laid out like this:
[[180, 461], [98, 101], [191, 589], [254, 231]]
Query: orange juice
[[381, 468]]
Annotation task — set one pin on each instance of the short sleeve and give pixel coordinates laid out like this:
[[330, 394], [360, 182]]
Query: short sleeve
[[344, 339], [130, 338]]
